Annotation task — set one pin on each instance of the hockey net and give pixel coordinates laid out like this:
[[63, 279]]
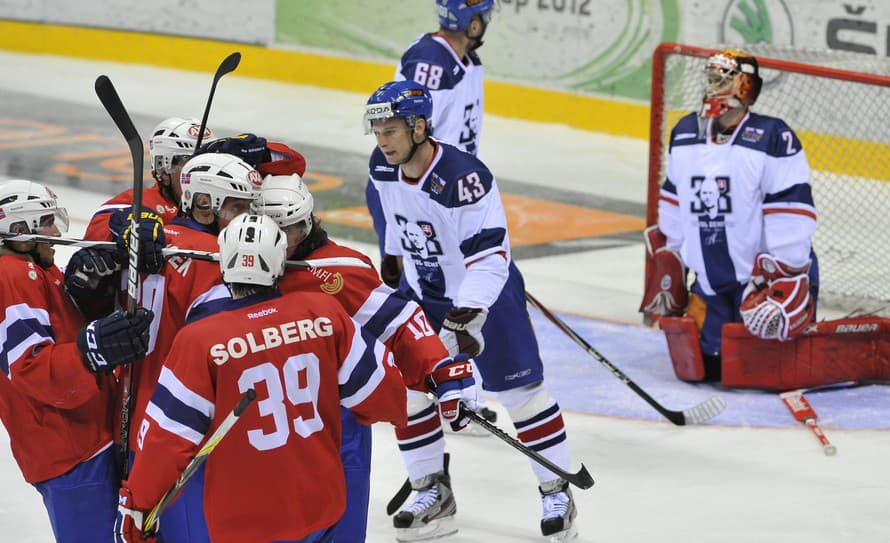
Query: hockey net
[[839, 106]]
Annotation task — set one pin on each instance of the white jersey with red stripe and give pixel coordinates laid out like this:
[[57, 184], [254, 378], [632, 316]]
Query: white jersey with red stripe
[[724, 203], [277, 475]]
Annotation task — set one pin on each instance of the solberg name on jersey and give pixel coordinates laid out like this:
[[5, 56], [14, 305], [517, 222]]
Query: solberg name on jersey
[[271, 337]]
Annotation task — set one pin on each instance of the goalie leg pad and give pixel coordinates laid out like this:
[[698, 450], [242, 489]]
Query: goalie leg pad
[[684, 348], [824, 353]]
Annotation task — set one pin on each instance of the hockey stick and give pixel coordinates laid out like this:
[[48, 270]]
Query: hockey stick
[[226, 66], [342, 261], [405, 491], [582, 479], [149, 524], [803, 411], [694, 415], [112, 102]]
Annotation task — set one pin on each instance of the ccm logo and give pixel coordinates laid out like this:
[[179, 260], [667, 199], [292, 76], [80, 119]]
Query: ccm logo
[[458, 371]]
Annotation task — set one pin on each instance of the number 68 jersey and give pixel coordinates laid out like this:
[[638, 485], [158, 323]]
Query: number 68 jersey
[[277, 475], [443, 223]]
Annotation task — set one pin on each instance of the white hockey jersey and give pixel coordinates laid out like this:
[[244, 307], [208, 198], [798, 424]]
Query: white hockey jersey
[[722, 204], [451, 218], [455, 85]]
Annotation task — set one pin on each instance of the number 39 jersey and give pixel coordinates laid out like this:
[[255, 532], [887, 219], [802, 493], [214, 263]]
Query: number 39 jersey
[[722, 204], [443, 223], [277, 475], [455, 85]]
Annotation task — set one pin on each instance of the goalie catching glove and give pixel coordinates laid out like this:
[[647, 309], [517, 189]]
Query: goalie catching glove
[[777, 303], [453, 383], [115, 340], [666, 292], [461, 331], [151, 237]]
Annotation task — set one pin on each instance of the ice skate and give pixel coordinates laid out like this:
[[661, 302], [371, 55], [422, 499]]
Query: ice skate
[[431, 514], [557, 522]]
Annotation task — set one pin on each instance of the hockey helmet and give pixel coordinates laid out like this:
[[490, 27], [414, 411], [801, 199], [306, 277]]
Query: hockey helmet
[[27, 203], [220, 176], [287, 200], [457, 14], [406, 99], [174, 138], [252, 250]]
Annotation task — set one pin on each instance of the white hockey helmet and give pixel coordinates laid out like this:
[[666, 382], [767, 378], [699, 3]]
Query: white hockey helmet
[[287, 200], [220, 176], [252, 250], [172, 138], [30, 203]]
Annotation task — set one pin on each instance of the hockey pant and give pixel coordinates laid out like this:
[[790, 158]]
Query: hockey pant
[[355, 451], [82, 503]]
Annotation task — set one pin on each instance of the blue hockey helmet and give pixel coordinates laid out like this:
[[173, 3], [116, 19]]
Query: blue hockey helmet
[[457, 14], [406, 99]]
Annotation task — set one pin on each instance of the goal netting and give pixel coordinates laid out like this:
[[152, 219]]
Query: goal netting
[[839, 106]]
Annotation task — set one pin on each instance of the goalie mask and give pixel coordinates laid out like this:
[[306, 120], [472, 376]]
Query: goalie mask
[[287, 200], [220, 176], [26, 207], [733, 81], [173, 141], [252, 251]]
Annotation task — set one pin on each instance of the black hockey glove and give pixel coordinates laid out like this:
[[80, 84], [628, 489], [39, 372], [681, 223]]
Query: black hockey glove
[[248, 147], [90, 280], [462, 331], [115, 340], [151, 238]]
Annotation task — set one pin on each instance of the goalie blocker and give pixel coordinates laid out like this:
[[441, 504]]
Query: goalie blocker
[[851, 349]]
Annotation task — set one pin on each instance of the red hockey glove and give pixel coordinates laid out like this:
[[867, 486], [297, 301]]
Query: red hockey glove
[[128, 522], [777, 303], [462, 331], [453, 383]]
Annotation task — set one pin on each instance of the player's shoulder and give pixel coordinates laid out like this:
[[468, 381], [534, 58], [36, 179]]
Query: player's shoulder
[[379, 169], [185, 233], [685, 132], [770, 135], [332, 249], [457, 178], [432, 50]]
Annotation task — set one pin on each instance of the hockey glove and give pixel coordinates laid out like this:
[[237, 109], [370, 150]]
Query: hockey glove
[[453, 383], [128, 522], [115, 340], [777, 303], [248, 147], [89, 273], [462, 331], [666, 292], [151, 238]]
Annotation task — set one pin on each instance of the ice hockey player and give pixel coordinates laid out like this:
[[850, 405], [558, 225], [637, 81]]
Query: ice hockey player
[[419, 353], [737, 209], [56, 397], [276, 476], [447, 231]]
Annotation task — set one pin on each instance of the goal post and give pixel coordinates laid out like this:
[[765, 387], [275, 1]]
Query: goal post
[[839, 106]]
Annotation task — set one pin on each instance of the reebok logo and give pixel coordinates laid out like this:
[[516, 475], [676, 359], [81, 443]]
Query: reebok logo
[[262, 313]]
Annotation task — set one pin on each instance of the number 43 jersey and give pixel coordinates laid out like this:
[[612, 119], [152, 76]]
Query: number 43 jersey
[[443, 223], [277, 475]]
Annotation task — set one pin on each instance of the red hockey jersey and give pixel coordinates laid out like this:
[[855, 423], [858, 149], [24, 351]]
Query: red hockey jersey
[[277, 475], [168, 295], [151, 199], [396, 321], [56, 412]]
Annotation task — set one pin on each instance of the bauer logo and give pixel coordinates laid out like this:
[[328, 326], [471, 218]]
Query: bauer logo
[[856, 328]]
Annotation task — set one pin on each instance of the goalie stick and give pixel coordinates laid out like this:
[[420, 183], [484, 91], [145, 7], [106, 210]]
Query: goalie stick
[[112, 102], [345, 261], [581, 479], [228, 65], [694, 415], [149, 524], [803, 411]]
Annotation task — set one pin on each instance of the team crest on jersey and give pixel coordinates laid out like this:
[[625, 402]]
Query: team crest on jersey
[[333, 284], [437, 184], [752, 134]]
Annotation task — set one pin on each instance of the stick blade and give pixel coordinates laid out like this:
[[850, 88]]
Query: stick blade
[[704, 411], [228, 64]]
